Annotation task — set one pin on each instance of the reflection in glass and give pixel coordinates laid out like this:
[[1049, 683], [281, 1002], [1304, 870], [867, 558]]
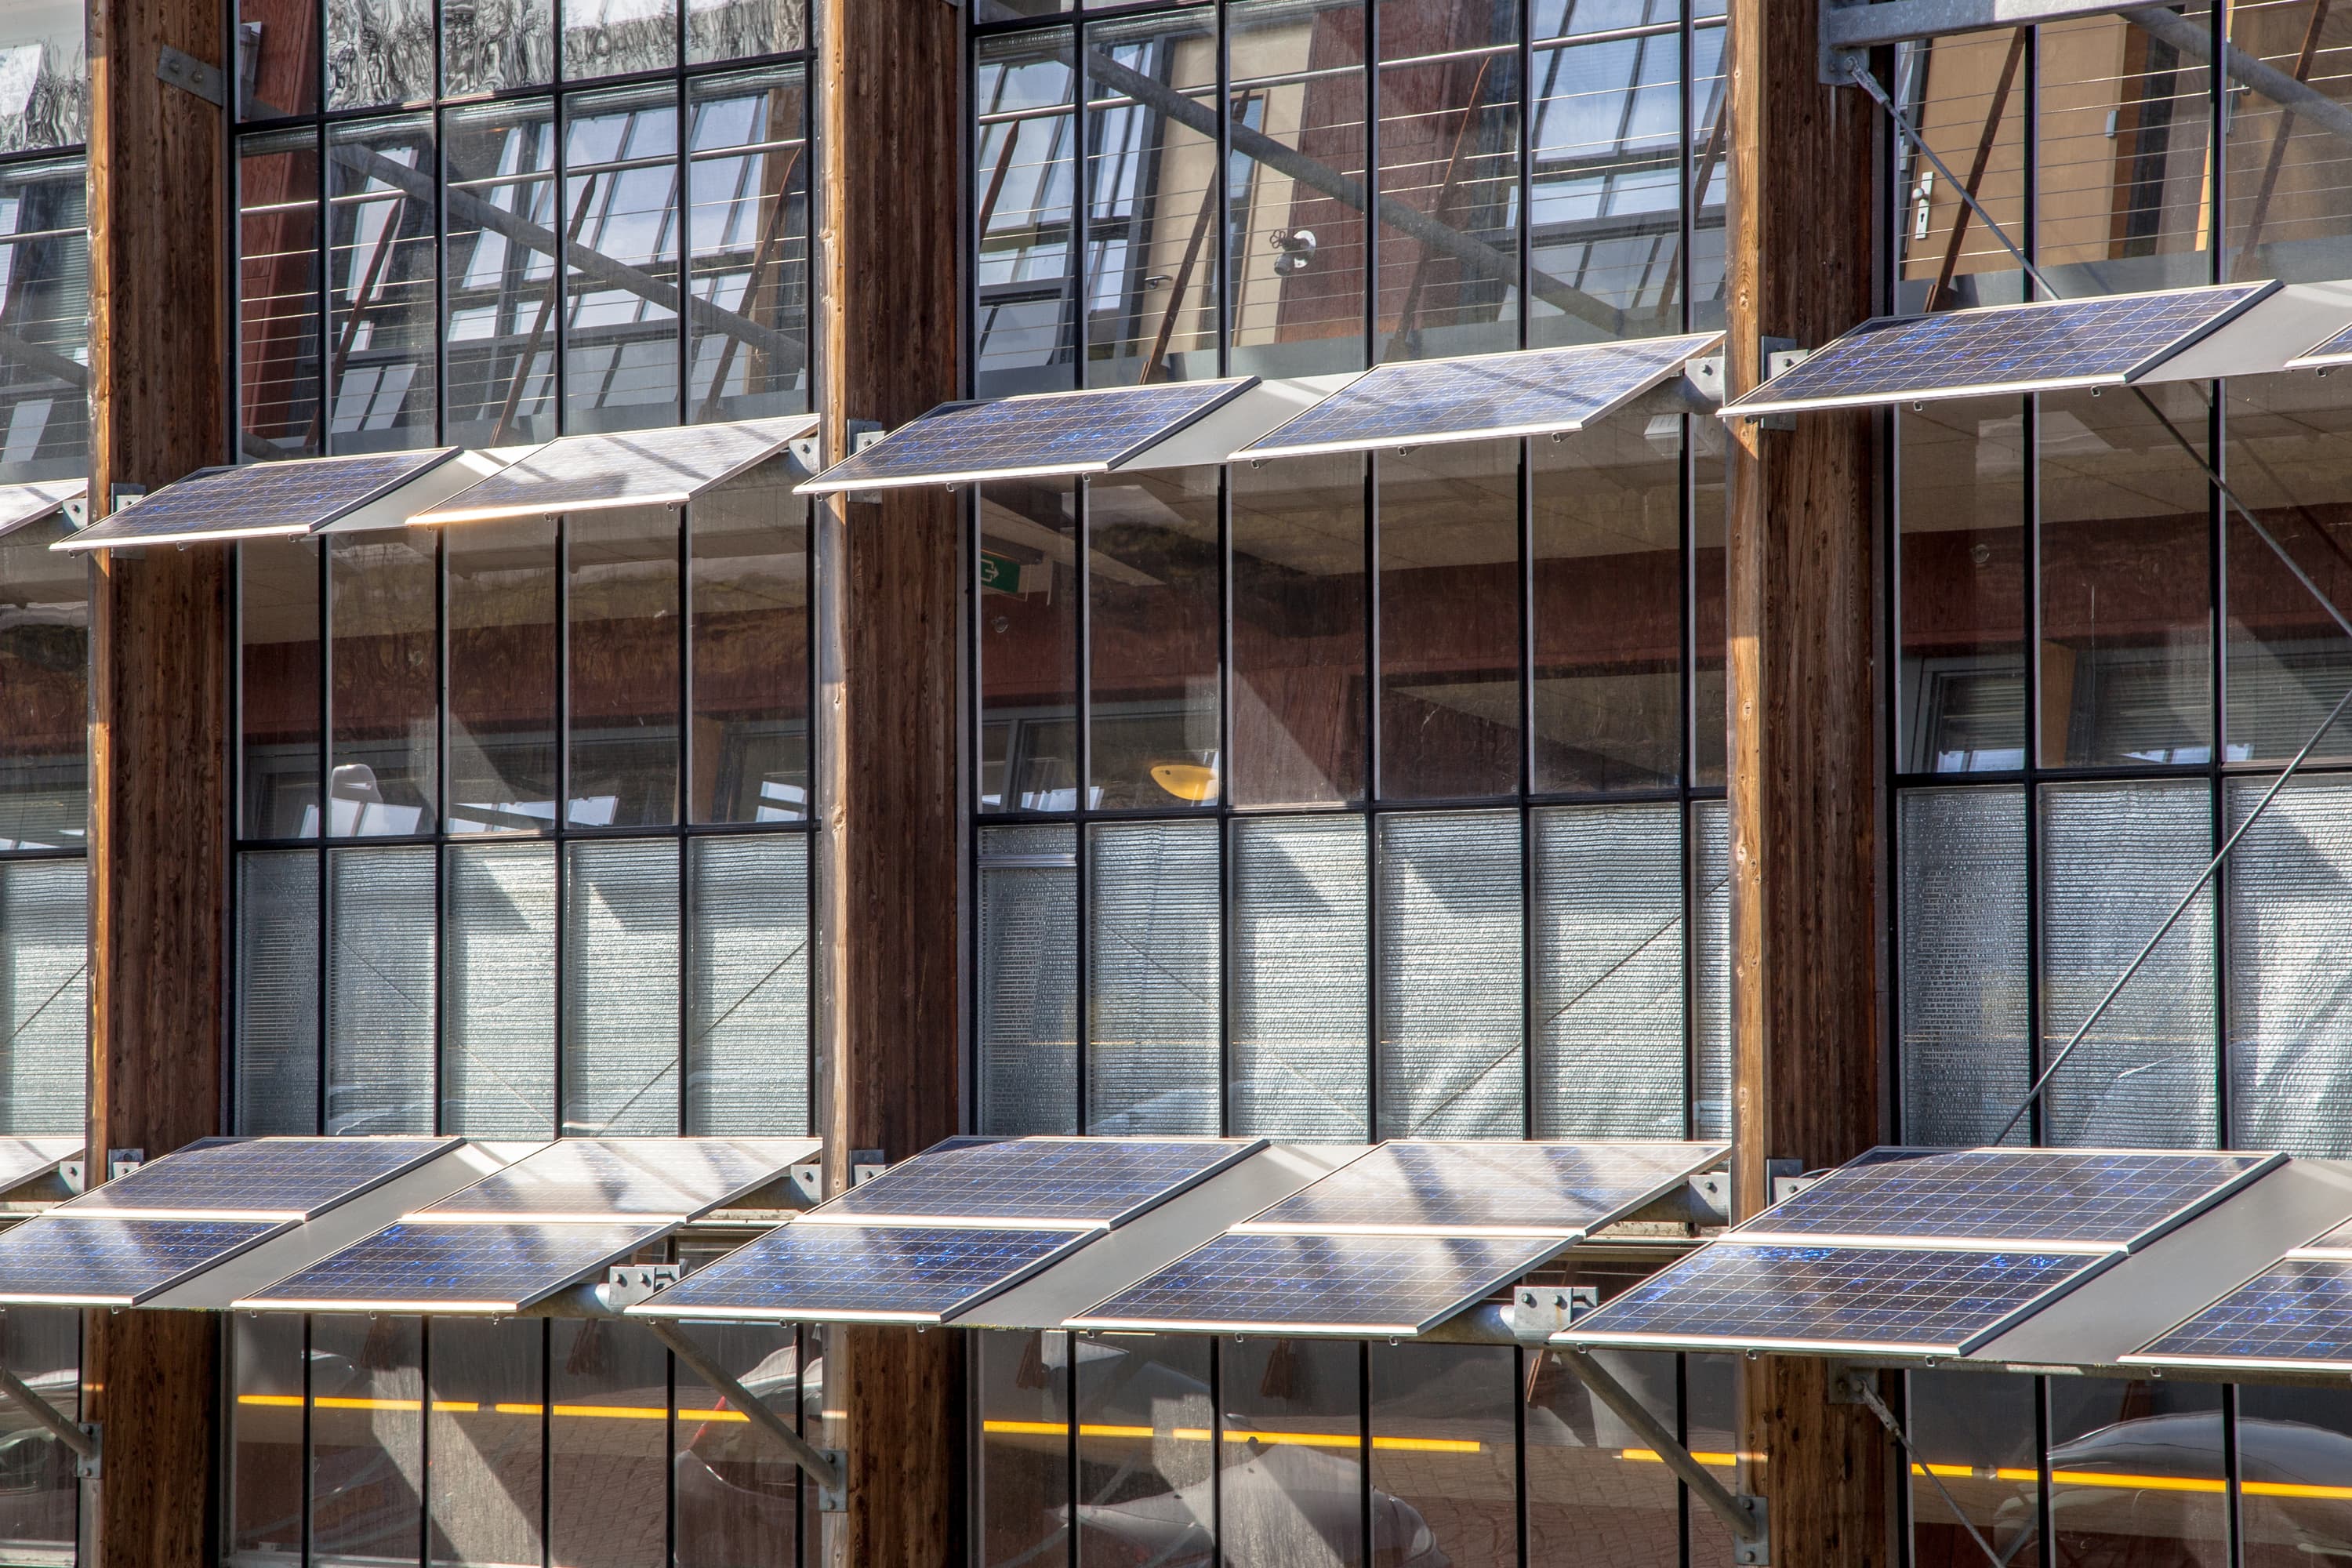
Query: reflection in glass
[[1453, 1014], [2123, 134], [45, 995], [1445, 1481], [2292, 1447], [498, 991], [621, 189], [386, 673], [1710, 1426], [1710, 874], [2285, 657], [277, 992], [1449, 561], [1151, 544], [1709, 104], [616, 37], [44, 52], [1975, 1436], [488, 45], [1608, 971], [746, 1041], [2288, 896], [1963, 565], [1961, 911], [485, 1483], [42, 1346], [380, 266], [2165, 1437], [1710, 698], [1023, 179], [277, 58], [44, 302], [44, 693], [382, 972], [378, 51], [277, 694], [620, 988], [1023, 1473], [1293, 1471], [499, 207], [277, 291], [1028, 630], [502, 647], [738, 1494], [748, 545], [1299, 611], [623, 605], [263, 1489], [1153, 979], [367, 1439], [1144, 1449], [1300, 1008], [608, 1446], [2284, 176], [1028, 980], [1972, 112], [1590, 1502], [738, 29], [747, 178]]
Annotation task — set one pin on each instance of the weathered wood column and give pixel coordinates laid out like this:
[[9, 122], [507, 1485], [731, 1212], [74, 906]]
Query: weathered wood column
[[1806, 916], [159, 718], [890, 258]]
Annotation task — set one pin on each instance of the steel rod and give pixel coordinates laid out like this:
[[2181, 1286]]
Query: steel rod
[[49, 1416], [822, 1468], [1736, 1511]]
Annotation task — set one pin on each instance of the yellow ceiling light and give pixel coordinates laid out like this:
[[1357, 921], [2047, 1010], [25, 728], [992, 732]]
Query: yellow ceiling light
[[1185, 781]]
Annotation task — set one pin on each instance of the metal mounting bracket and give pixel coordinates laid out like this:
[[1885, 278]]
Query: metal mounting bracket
[[189, 74], [1787, 1178], [121, 1162], [865, 1164], [1749, 1516], [1540, 1312]]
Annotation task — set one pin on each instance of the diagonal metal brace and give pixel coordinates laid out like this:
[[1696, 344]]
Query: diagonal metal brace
[[79, 1437], [1746, 1516], [823, 1465]]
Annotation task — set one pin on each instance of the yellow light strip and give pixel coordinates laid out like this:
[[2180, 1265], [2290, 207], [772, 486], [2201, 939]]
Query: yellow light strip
[[2204, 1485], [1650, 1456], [472, 1407], [1268, 1439]]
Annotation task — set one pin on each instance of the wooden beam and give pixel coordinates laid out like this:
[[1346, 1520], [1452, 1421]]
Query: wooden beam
[[1804, 742], [891, 587], [160, 336]]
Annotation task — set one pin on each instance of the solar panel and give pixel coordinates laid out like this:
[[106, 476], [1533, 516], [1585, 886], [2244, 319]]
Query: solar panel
[[21, 506], [94, 1261], [636, 468], [24, 1159], [1040, 1180], [1481, 397], [2329, 350], [916, 1274], [257, 500], [674, 1177], [1893, 1300], [417, 1266], [2298, 1314], [2100, 1197], [1345, 1285], [1046, 433], [2042, 347], [1485, 1187], [261, 1178]]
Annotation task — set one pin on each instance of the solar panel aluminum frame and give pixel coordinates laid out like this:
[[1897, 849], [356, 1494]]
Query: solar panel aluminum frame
[[94, 537], [452, 509], [826, 483], [1268, 446]]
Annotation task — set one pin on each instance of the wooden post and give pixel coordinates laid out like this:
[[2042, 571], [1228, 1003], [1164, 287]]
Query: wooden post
[[159, 735], [1807, 922], [890, 249]]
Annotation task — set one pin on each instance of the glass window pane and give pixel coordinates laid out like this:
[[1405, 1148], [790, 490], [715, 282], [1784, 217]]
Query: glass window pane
[[1293, 1487], [277, 694], [1710, 873], [750, 633], [1961, 904], [501, 44], [1710, 699], [45, 302], [1973, 1463], [621, 988], [614, 37], [277, 992], [1449, 548], [1607, 177], [1971, 111], [1588, 1506], [1608, 612], [1299, 611], [381, 284], [498, 997], [45, 694], [277, 292], [52, 108], [2115, 858], [1445, 1480], [1145, 1449], [386, 593], [503, 288], [621, 191], [1028, 636], [45, 982], [1151, 547], [1298, 304], [738, 1494], [262, 1492], [1302, 939], [1154, 987], [1709, 102], [608, 1447], [502, 675], [1028, 980], [1023, 1473], [2279, 1429], [277, 57], [367, 1440], [1608, 910], [1710, 1426], [624, 649], [2125, 131], [1963, 560], [382, 972], [487, 1453], [2167, 1433], [1453, 1010], [1023, 181], [379, 53], [42, 1346], [1449, 140], [749, 185], [747, 1044], [2286, 659], [738, 29], [2283, 176], [2289, 888]]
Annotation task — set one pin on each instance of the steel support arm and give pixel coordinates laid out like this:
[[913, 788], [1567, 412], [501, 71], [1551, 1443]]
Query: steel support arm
[[1744, 1515], [77, 1438], [2196, 40], [824, 1468]]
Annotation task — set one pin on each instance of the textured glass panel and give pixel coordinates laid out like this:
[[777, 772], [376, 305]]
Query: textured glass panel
[[44, 693], [1587, 1508], [1023, 179], [1963, 556], [502, 675], [1152, 546], [498, 259], [747, 187], [1607, 909], [743, 1487], [1022, 1476], [1028, 980], [1978, 1433], [2167, 1435], [379, 51], [498, 994], [2290, 901], [2286, 658], [2123, 138], [1028, 637], [380, 986], [488, 45], [1972, 110], [1961, 906], [278, 692], [1299, 605], [43, 52], [277, 292], [486, 1485], [367, 1440], [625, 649], [277, 992], [750, 567], [1448, 1471], [45, 302], [1293, 1498], [1452, 1015], [608, 1447], [620, 987], [1145, 1448], [385, 596], [383, 320], [614, 37], [2115, 858], [1153, 978], [738, 29], [262, 1456], [45, 983], [1711, 959], [747, 1044], [1301, 937], [1449, 623], [621, 183]]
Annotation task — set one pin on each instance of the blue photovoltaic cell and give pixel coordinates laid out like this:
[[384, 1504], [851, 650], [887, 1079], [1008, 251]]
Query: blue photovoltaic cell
[[258, 499], [295, 1176], [2298, 1312], [122, 1261], [1492, 1184], [1052, 432], [1492, 395], [679, 1176], [1321, 1284], [2112, 1196], [1911, 1299], [416, 1265], [922, 1273], [2001, 348], [636, 468], [1105, 1181]]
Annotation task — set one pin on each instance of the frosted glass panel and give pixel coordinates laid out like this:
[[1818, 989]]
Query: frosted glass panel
[[497, 1025], [1711, 955], [1966, 1017], [1300, 1008], [380, 991], [44, 976], [1153, 955], [2290, 905], [1028, 980], [277, 992], [620, 988], [1452, 1012], [747, 1044], [1608, 910]]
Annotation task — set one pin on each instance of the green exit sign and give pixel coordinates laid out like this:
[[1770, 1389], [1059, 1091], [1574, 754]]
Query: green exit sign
[[1001, 573]]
